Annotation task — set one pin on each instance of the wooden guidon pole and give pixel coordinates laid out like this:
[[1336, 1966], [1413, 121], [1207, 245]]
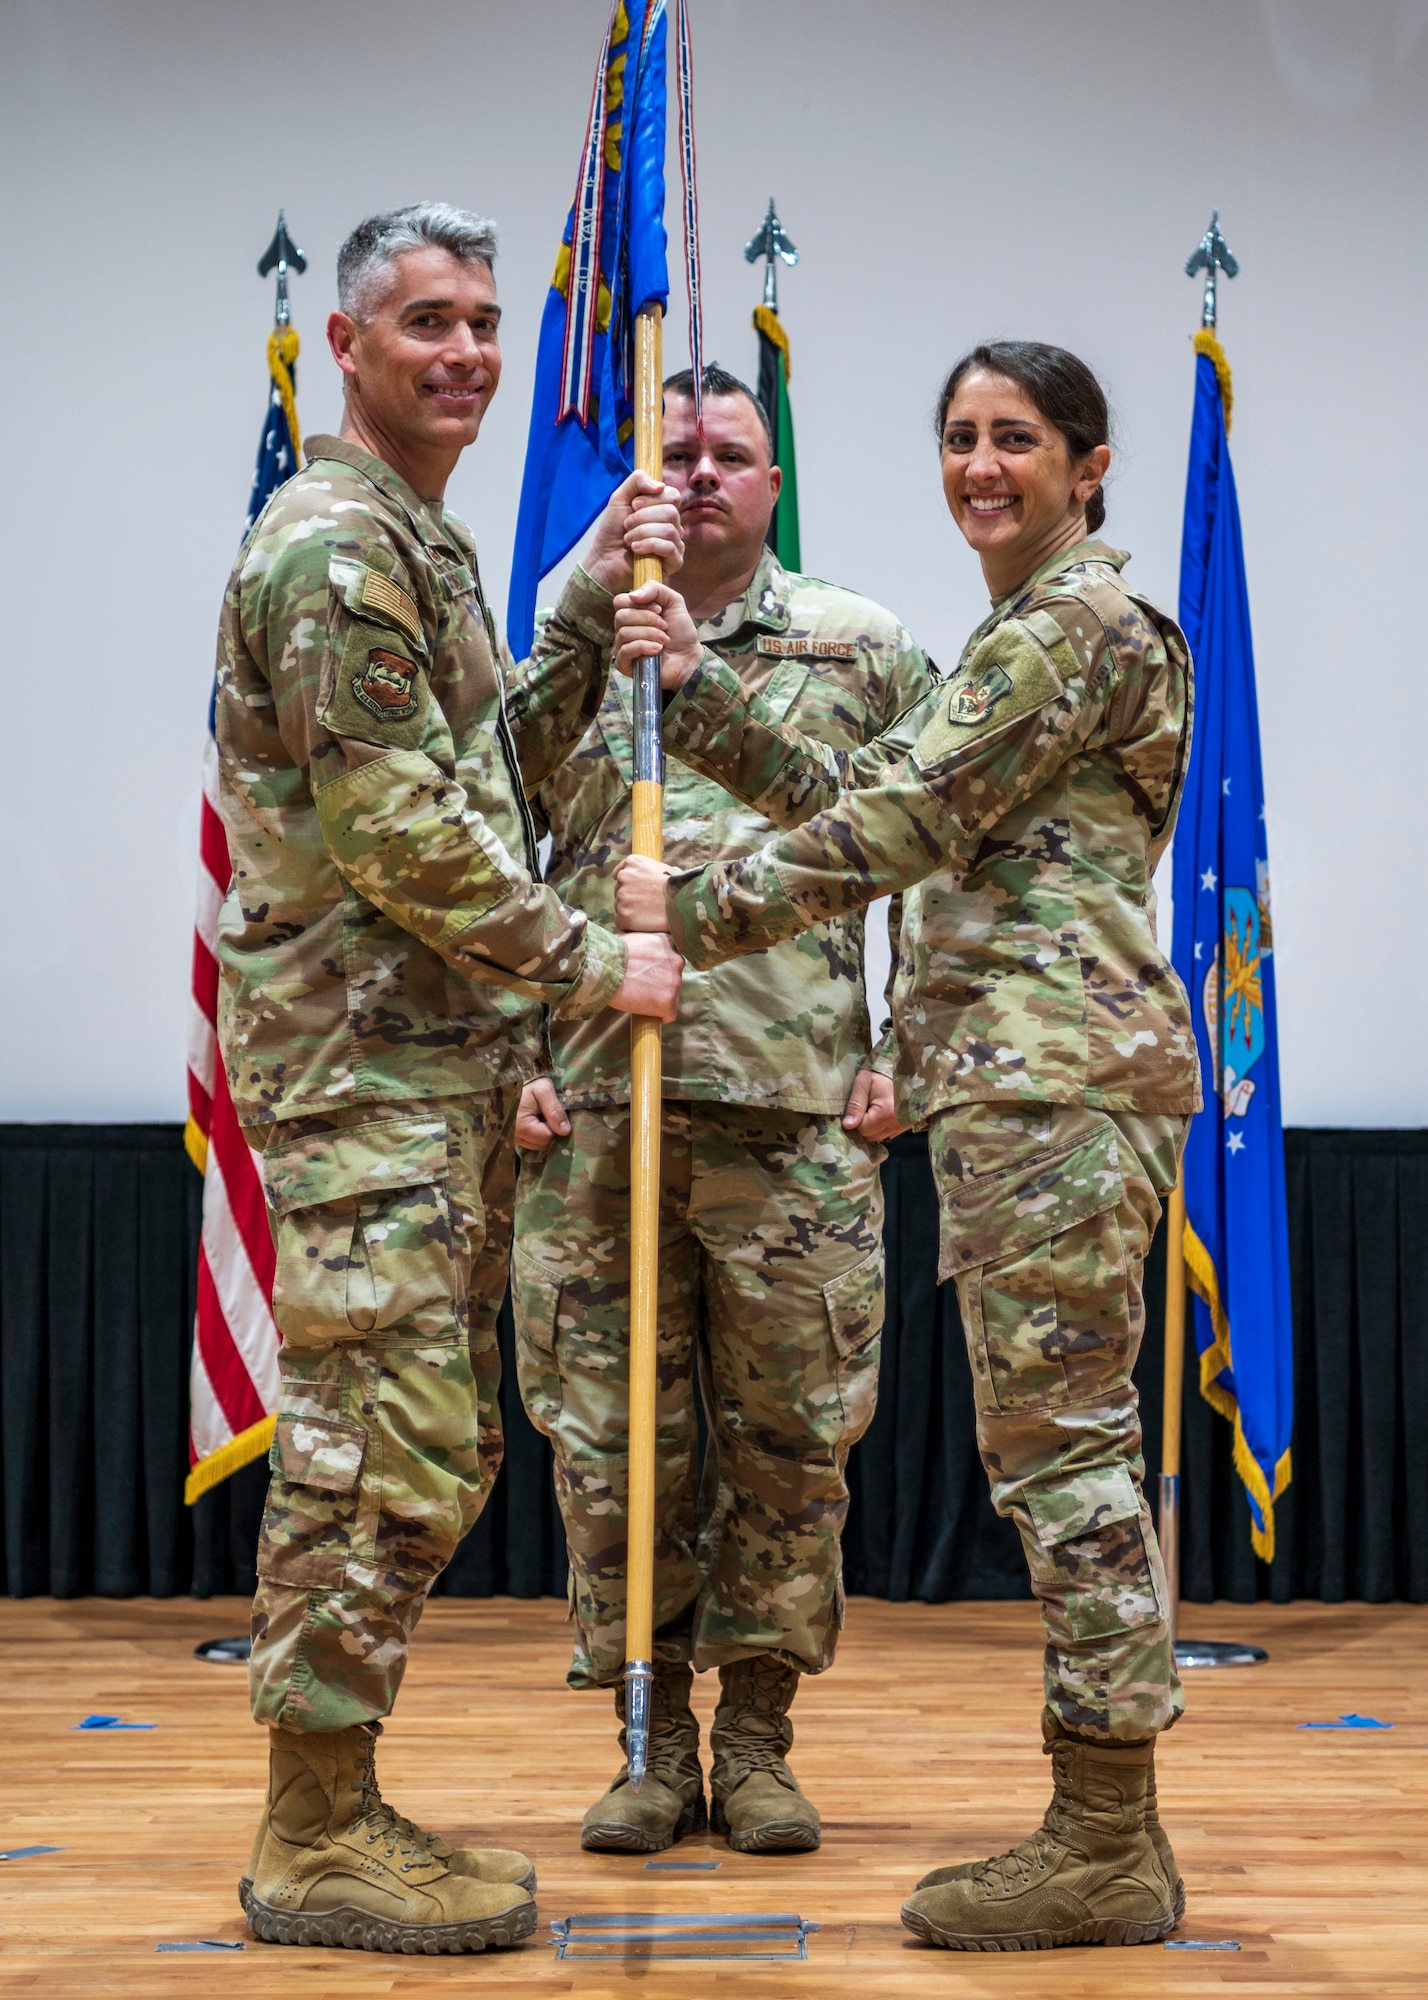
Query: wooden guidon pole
[[1169, 1522], [647, 837]]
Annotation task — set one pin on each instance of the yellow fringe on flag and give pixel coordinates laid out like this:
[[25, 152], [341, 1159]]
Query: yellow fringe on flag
[[1206, 343], [282, 353], [239, 1451], [768, 323], [195, 1145], [1203, 1280]]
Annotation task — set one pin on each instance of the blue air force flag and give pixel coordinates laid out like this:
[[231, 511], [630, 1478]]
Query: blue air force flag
[[1236, 1237], [611, 262]]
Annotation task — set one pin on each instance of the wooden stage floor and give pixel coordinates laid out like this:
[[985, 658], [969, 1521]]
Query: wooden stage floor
[[920, 1747]]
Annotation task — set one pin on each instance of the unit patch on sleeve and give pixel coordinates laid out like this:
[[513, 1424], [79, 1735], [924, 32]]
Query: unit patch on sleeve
[[1009, 675], [387, 685]]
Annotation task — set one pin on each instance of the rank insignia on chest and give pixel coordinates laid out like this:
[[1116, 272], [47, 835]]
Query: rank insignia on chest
[[783, 648], [387, 685]]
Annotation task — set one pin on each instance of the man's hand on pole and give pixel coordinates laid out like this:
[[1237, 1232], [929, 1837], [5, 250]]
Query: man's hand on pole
[[653, 971], [655, 619], [639, 896], [640, 519]]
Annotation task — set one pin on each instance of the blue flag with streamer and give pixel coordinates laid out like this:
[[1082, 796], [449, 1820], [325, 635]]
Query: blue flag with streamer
[[612, 261], [1236, 1233]]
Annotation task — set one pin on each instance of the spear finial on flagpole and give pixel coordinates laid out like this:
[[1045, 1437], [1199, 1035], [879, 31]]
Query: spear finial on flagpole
[[771, 243], [282, 255], [1212, 255]]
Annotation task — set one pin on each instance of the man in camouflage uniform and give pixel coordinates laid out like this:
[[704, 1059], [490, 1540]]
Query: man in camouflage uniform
[[386, 947], [1045, 1043], [771, 1211]]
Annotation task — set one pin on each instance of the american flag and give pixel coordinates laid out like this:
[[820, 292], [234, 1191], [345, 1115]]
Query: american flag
[[233, 1381]]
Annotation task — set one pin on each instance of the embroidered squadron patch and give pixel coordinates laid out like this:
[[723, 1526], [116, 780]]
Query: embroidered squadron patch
[[1008, 676], [973, 700], [387, 686], [808, 649]]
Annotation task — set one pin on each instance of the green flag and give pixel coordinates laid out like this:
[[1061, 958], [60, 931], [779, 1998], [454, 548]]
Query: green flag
[[773, 394]]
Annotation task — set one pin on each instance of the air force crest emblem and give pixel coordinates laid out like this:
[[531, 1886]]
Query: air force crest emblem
[[1233, 998], [974, 699], [387, 685]]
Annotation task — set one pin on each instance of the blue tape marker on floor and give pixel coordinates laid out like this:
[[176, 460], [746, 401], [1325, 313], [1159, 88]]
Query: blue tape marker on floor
[[204, 1944], [111, 1722], [1201, 1944], [685, 1867], [1349, 1722], [21, 1853]]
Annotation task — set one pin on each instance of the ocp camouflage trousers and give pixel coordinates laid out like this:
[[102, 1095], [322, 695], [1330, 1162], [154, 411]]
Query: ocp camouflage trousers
[[392, 1225], [771, 1285], [1047, 1212]]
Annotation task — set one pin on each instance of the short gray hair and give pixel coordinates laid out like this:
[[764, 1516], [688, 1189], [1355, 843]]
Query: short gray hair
[[375, 245]]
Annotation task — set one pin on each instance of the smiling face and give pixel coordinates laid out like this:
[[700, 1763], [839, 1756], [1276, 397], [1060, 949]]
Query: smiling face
[[423, 361], [1009, 479], [726, 485]]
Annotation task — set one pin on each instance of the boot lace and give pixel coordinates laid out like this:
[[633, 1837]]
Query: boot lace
[[383, 1820], [1020, 1866], [760, 1725]]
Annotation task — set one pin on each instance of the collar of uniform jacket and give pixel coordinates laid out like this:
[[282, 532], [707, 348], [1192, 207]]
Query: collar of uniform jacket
[[764, 604], [1072, 558], [428, 517]]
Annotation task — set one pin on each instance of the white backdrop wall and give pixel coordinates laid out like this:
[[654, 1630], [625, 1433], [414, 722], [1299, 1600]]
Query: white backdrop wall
[[1037, 168]]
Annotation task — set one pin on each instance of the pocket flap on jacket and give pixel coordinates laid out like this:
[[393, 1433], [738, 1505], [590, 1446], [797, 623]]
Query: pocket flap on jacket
[[1000, 1214], [355, 1159], [372, 595], [1087, 1501], [313, 1451]]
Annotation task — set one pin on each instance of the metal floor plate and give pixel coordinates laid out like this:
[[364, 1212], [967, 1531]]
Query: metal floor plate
[[692, 1934]]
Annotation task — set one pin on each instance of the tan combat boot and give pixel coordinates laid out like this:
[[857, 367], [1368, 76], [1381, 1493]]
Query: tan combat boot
[[485, 1864], [757, 1804], [670, 1802], [333, 1868], [1090, 1874], [1052, 1732]]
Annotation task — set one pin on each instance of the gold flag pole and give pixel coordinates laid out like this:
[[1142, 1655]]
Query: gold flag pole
[[1211, 255], [1188, 1652], [647, 837]]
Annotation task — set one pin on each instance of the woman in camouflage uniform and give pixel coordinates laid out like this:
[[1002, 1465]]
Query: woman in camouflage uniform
[[1045, 1044]]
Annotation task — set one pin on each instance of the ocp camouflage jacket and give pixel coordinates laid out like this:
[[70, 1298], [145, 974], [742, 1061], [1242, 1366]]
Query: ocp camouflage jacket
[[788, 1029], [387, 934], [1026, 823]]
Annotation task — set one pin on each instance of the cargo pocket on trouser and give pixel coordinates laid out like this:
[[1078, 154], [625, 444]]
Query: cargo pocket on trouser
[[1090, 1563], [855, 1303], [313, 1496], [535, 1304], [1040, 1268], [363, 1234]]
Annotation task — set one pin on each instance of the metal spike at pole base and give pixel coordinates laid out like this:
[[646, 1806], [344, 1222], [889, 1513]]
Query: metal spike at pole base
[[1217, 1653], [639, 1679]]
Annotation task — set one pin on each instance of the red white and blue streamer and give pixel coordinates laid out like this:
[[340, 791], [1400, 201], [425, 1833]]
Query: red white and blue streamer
[[687, 163], [583, 282]]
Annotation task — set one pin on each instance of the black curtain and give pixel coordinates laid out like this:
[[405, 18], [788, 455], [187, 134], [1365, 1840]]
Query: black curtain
[[98, 1242]]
